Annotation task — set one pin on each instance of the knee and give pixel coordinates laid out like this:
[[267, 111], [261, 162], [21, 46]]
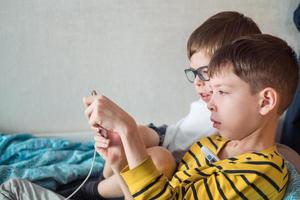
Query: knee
[[148, 135], [163, 160], [105, 174]]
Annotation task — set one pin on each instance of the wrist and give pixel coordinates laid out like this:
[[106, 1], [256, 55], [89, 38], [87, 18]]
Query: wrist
[[134, 146], [129, 128]]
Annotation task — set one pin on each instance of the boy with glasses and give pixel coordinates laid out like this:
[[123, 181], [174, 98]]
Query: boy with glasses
[[217, 31]]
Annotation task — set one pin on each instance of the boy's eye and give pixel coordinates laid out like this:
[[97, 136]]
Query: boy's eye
[[221, 92]]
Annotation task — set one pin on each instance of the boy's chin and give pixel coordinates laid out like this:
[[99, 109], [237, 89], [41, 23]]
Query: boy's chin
[[228, 136], [224, 133]]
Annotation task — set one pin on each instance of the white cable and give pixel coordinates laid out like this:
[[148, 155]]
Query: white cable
[[89, 174], [93, 93]]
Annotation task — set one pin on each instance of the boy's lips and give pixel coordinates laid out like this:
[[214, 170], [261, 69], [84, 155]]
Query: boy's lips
[[204, 96], [216, 123]]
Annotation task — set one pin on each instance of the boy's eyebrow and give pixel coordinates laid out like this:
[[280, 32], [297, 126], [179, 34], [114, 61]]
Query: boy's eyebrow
[[220, 85]]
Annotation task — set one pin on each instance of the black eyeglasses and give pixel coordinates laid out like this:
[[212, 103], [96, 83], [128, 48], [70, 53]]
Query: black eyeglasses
[[201, 72]]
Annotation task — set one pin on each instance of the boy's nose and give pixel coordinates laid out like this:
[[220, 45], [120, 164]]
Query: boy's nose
[[198, 82], [211, 105]]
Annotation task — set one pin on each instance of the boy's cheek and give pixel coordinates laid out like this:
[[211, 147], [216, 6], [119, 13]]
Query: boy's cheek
[[208, 87]]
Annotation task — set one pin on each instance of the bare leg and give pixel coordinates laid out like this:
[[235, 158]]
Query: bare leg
[[109, 187], [149, 136], [107, 171], [163, 160]]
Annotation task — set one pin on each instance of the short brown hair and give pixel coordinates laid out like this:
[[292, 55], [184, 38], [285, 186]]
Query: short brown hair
[[262, 61], [219, 30]]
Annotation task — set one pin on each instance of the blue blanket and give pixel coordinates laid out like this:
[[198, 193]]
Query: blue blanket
[[48, 162]]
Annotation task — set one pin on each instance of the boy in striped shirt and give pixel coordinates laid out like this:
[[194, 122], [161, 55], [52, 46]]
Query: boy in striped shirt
[[218, 30], [253, 81]]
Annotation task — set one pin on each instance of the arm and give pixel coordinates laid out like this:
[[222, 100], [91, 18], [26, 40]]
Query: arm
[[146, 182], [220, 185], [150, 139], [102, 112]]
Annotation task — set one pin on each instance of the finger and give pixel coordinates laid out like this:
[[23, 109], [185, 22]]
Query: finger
[[90, 99], [96, 130], [99, 139], [101, 142], [103, 132], [95, 119], [101, 145], [87, 101], [101, 152], [94, 113], [89, 110]]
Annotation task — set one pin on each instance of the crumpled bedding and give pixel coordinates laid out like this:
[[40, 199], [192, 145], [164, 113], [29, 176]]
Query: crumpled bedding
[[46, 161]]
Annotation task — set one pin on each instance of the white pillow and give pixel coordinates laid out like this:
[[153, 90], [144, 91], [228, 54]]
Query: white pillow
[[290, 155]]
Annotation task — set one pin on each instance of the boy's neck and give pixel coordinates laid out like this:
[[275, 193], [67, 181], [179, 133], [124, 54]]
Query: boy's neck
[[260, 139]]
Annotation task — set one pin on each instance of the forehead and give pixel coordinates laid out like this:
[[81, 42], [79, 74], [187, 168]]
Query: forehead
[[199, 59], [226, 77]]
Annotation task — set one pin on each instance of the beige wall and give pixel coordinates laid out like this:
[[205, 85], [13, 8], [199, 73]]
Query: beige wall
[[52, 53]]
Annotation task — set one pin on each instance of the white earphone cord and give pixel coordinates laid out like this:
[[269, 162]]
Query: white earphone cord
[[94, 93], [89, 174]]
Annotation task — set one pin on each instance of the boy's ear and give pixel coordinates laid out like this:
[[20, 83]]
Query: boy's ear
[[268, 100]]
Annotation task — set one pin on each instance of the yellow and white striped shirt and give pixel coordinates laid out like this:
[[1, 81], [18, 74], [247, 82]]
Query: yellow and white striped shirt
[[255, 175]]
